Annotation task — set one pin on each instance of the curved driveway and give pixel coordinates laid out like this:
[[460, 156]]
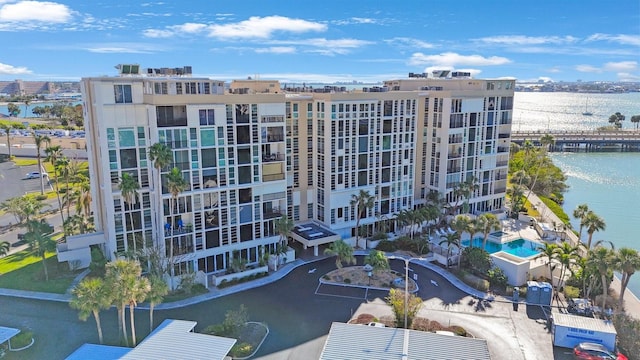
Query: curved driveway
[[298, 318]]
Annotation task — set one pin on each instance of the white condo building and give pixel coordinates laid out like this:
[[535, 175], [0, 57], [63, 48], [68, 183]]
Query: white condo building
[[252, 152]]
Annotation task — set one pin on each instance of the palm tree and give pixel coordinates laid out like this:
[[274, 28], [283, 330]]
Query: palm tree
[[118, 275], [27, 102], [54, 153], [593, 223], [342, 251], [158, 289], [4, 248], [487, 223], [161, 156], [580, 213], [7, 128], [566, 256], [71, 172], [41, 140], [176, 184], [377, 260], [89, 297], [83, 199], [550, 251], [138, 288], [461, 224], [628, 261], [283, 227], [402, 218], [362, 202], [451, 239], [40, 243], [547, 141], [636, 120], [129, 188], [603, 260]]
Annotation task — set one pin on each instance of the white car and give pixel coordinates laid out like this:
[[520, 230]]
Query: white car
[[35, 175]]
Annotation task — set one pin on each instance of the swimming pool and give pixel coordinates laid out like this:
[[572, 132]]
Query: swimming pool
[[498, 234], [520, 247]]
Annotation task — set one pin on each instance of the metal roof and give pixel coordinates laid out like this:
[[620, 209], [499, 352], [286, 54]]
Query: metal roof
[[583, 322], [350, 341], [173, 339], [98, 352], [7, 333]]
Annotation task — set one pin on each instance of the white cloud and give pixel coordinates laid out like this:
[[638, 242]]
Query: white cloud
[[169, 31], [13, 70], [324, 46], [623, 39], [123, 48], [356, 20], [263, 27], [588, 69], [453, 59], [628, 77], [527, 40], [276, 50], [42, 11], [622, 66], [409, 42]]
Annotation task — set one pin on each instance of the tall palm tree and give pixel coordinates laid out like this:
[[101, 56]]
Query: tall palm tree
[[580, 213], [487, 223], [38, 238], [158, 289], [592, 222], [83, 198], [27, 102], [40, 141], [161, 156], [402, 219], [362, 202], [176, 184], [129, 188], [627, 262], [451, 239], [89, 297], [550, 251], [603, 260], [4, 248], [283, 227], [118, 275], [54, 153], [138, 288], [7, 128], [547, 141], [342, 251], [71, 173], [566, 256], [462, 223]]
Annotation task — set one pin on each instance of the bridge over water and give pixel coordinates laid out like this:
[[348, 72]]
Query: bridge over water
[[583, 140]]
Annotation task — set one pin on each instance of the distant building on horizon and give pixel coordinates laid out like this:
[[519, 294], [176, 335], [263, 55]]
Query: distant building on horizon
[[252, 152], [22, 88]]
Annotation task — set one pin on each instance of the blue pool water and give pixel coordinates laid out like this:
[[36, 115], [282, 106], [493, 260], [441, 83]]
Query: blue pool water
[[520, 247]]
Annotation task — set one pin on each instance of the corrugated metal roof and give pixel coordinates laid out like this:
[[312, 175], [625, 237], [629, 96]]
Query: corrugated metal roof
[[98, 352], [583, 322], [173, 339], [7, 333], [349, 341]]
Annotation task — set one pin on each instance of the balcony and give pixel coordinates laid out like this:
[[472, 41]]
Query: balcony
[[271, 213], [454, 169], [272, 177], [272, 157], [272, 172], [502, 163], [502, 149]]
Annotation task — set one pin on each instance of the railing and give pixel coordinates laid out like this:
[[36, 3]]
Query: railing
[[273, 177], [272, 157]]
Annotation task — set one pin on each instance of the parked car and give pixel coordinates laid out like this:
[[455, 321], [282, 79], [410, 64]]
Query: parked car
[[593, 351], [35, 175]]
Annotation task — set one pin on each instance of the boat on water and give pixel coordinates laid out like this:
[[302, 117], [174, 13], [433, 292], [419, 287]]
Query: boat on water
[[586, 111]]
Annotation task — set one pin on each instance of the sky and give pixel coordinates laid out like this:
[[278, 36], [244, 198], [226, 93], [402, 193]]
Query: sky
[[324, 40]]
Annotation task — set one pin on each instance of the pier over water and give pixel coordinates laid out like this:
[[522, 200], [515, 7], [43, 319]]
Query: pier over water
[[583, 140]]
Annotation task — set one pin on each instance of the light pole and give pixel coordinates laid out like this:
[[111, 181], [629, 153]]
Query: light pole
[[406, 283]]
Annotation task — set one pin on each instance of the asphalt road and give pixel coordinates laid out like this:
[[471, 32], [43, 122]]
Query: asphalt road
[[14, 182]]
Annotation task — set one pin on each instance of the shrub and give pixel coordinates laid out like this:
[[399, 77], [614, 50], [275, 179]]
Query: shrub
[[571, 292], [347, 281], [22, 339], [380, 236], [326, 277], [458, 330], [241, 350], [497, 278], [476, 260], [41, 197], [386, 246]]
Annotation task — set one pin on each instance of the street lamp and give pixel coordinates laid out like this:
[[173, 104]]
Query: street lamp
[[406, 282]]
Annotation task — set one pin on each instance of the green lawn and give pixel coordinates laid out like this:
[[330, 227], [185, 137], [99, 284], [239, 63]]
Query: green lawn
[[22, 271]]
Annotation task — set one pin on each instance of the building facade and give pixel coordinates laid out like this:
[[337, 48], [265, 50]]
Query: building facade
[[252, 152]]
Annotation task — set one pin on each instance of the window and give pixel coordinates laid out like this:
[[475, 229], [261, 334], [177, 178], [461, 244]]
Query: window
[[206, 117], [123, 94]]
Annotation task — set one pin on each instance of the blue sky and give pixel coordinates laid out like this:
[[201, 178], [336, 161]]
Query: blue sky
[[324, 40]]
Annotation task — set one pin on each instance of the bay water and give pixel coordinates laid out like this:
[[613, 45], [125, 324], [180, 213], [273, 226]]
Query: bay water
[[608, 182]]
